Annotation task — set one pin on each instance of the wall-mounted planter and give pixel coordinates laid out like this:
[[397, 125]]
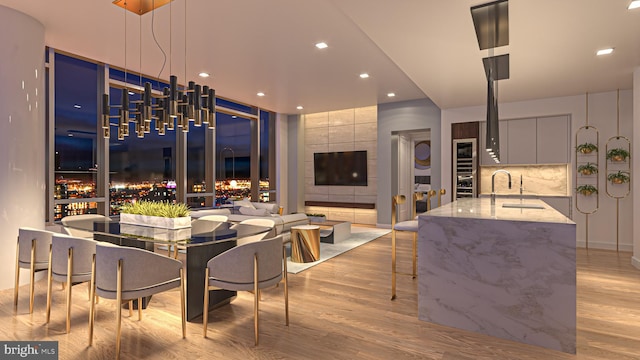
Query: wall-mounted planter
[[586, 190], [588, 169], [617, 155], [586, 148], [620, 177]]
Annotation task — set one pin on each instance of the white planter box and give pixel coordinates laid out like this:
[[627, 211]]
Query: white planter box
[[156, 221], [156, 233]]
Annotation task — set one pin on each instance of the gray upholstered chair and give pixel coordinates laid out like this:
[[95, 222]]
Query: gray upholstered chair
[[32, 252], [82, 225], [71, 261], [258, 222], [127, 273], [406, 226], [249, 267]]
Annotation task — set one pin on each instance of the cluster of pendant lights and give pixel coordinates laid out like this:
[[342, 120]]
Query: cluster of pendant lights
[[173, 108]]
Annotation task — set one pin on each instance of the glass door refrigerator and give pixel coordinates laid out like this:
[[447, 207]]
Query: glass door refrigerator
[[465, 166]]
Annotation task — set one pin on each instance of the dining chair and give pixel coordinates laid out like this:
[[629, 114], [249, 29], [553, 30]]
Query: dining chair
[[71, 261], [125, 274], [403, 226], [248, 267], [32, 252], [265, 222], [82, 225]]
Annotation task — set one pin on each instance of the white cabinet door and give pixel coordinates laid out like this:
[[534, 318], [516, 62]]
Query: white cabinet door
[[485, 159], [521, 146], [553, 140]]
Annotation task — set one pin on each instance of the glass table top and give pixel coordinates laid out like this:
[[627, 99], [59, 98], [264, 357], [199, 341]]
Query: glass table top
[[200, 232]]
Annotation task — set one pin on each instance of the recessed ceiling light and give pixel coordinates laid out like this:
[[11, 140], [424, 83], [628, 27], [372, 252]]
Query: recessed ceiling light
[[77, 106], [203, 74], [604, 51], [364, 75], [70, 135], [233, 117], [322, 45], [260, 94], [634, 4], [299, 107], [131, 93], [391, 94]]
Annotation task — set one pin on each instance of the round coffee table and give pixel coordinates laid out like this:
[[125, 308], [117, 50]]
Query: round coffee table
[[305, 243]]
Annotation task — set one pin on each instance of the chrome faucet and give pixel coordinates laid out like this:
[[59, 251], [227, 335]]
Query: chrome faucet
[[493, 184]]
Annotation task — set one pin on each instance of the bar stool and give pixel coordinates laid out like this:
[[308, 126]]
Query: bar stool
[[409, 226]]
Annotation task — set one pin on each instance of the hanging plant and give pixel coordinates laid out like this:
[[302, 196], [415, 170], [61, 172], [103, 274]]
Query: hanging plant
[[588, 169], [586, 190], [617, 154], [620, 177], [587, 148]]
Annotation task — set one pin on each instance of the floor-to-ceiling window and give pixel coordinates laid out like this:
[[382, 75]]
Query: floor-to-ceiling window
[[75, 157], [147, 166]]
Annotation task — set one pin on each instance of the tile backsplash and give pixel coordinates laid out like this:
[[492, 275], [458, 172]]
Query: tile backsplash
[[546, 180]]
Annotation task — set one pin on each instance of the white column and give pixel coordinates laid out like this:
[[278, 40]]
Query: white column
[[635, 165], [22, 133]]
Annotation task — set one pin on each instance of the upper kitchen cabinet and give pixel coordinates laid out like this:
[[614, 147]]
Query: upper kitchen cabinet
[[522, 141], [542, 140], [553, 140]]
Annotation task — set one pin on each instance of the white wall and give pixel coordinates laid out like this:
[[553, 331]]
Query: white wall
[[399, 117], [635, 160], [282, 165], [22, 133], [602, 114]]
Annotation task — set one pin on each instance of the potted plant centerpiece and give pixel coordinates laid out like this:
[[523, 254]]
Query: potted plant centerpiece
[[587, 148], [588, 169], [619, 177], [617, 155], [587, 189], [156, 214]]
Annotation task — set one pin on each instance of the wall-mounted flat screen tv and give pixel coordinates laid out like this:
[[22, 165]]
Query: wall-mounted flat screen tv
[[348, 168]]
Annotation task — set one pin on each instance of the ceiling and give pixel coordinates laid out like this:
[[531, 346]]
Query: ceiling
[[414, 48]]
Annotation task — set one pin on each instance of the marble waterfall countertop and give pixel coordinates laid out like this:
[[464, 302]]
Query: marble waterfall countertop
[[503, 272], [481, 208]]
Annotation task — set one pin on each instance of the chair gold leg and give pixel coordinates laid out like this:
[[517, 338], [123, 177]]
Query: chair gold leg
[[415, 257], [130, 302], [17, 283], [49, 281], [205, 305], [256, 299], [139, 309], [175, 252], [286, 286], [92, 296], [33, 275], [393, 264], [119, 307], [89, 291], [182, 304], [69, 272]]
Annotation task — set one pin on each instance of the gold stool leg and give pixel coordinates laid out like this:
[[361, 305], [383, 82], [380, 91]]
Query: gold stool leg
[[256, 299], [139, 309], [415, 257], [393, 264]]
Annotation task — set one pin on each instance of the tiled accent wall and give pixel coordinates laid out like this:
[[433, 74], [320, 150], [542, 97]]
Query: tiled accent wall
[[551, 180], [343, 130]]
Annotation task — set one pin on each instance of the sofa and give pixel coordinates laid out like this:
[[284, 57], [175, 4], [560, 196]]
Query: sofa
[[245, 209]]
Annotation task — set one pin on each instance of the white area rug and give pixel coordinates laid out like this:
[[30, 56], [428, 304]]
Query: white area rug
[[359, 236]]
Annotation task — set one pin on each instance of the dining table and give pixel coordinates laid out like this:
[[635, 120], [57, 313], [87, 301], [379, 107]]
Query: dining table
[[195, 245]]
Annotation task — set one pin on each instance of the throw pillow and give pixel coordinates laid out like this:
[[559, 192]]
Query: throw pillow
[[245, 210], [244, 203]]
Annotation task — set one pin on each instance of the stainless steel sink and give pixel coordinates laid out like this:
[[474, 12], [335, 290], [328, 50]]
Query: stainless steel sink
[[522, 206]]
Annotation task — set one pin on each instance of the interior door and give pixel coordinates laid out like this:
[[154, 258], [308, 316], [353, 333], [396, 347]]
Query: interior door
[[405, 171]]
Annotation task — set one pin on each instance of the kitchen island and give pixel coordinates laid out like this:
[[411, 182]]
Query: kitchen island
[[508, 272]]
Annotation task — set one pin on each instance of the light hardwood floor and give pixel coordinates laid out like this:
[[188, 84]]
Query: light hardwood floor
[[340, 309]]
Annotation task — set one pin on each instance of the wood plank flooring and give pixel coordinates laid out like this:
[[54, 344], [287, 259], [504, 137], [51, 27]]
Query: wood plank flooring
[[340, 309]]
